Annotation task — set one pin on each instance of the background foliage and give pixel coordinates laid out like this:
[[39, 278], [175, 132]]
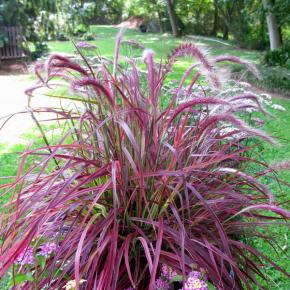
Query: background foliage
[[242, 21]]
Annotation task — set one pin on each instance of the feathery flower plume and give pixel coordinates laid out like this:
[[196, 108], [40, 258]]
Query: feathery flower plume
[[238, 60], [284, 165], [190, 49], [133, 43], [117, 48]]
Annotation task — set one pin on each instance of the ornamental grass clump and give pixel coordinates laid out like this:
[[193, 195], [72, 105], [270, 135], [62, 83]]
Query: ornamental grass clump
[[136, 183]]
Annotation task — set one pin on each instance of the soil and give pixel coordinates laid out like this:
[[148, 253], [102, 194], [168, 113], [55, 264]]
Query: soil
[[13, 67]]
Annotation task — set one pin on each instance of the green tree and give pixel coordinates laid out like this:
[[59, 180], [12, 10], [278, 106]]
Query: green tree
[[9, 15], [74, 16]]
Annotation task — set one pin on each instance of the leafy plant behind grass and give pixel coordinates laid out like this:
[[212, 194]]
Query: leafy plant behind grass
[[279, 57], [140, 186]]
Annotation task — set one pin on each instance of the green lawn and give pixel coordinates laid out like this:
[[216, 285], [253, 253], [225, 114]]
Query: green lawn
[[278, 127], [161, 44]]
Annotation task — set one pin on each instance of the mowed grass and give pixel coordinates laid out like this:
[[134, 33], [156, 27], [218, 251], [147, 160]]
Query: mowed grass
[[277, 127], [162, 44]]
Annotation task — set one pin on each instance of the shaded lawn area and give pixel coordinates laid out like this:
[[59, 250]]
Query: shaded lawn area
[[277, 127]]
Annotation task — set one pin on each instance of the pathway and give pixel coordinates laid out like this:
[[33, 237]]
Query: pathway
[[13, 100]]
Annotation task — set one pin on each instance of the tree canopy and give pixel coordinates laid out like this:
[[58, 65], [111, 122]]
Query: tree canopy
[[244, 21]]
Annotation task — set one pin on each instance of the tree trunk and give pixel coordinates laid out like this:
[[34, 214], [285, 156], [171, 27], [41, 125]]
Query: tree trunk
[[226, 32], [215, 21], [262, 32], [273, 29], [161, 23], [173, 19]]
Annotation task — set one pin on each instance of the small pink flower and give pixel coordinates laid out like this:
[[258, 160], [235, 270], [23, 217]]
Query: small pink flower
[[168, 272], [194, 274], [162, 284], [47, 249], [194, 283], [26, 257]]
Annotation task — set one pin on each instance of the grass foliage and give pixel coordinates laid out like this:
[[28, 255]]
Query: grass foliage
[[134, 183]]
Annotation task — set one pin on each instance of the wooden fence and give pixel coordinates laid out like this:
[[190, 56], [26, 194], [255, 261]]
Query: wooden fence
[[13, 49]]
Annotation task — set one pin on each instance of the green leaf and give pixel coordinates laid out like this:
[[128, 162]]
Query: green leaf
[[176, 278], [20, 278], [41, 260], [210, 286]]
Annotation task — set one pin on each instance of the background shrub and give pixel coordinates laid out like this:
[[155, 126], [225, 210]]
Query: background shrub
[[61, 37], [275, 79], [40, 49], [278, 57], [88, 36]]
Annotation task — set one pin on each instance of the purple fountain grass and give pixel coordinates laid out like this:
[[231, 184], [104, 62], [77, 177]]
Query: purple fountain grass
[[138, 186]]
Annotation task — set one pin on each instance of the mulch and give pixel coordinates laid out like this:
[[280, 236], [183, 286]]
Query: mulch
[[13, 67]]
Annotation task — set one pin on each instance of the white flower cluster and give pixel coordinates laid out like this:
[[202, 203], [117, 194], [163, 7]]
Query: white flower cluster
[[278, 107], [230, 130], [71, 285]]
